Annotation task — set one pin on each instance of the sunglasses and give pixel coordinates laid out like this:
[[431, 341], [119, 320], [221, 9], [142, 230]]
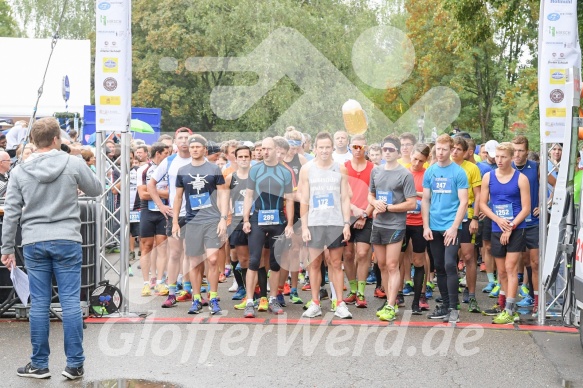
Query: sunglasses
[[358, 147], [389, 149]]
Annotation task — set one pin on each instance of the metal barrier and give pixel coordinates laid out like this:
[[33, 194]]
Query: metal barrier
[[10, 304]]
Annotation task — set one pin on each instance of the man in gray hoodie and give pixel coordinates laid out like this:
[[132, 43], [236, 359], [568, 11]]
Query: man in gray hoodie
[[42, 195]]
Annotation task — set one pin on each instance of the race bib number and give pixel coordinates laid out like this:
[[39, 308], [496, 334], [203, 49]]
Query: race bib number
[[200, 201], [323, 201], [153, 207], [385, 196], [238, 211], [134, 217], [504, 211], [417, 208], [442, 185], [268, 217]]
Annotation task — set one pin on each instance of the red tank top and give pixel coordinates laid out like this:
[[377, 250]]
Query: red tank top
[[359, 182]]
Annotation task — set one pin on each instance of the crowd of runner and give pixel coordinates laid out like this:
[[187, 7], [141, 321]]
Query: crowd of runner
[[291, 211]]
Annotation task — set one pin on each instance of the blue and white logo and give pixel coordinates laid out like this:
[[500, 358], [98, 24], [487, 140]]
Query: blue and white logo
[[104, 6], [558, 75], [553, 17]]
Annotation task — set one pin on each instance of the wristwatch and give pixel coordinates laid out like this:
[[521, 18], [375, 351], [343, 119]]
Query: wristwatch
[[364, 215], [224, 218], [476, 218], [512, 224]]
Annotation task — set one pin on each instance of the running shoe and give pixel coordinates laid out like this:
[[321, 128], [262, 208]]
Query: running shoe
[[196, 307], [294, 298], [523, 291], [526, 302], [361, 302], [423, 305], [460, 265], [342, 311], [228, 272], [350, 299], [153, 283], [263, 304], [440, 312], [387, 314], [452, 316], [256, 293], [495, 292], [463, 282], [169, 302], [242, 305], [240, 294], [130, 272], [204, 302], [146, 291], [416, 310], [503, 318], [495, 310], [306, 287], [234, 287], [275, 307], [301, 278], [314, 310], [428, 292], [333, 305], [473, 306], [466, 296], [205, 281], [73, 373], [249, 310], [222, 278], [379, 293], [489, 287], [161, 289], [408, 289], [371, 278], [35, 373], [280, 299], [323, 294], [307, 305], [400, 300], [184, 296], [214, 306], [483, 267], [286, 289], [380, 309]]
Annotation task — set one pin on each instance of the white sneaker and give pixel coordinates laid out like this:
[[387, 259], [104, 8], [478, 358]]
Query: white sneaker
[[233, 287], [342, 311], [463, 282], [313, 311]]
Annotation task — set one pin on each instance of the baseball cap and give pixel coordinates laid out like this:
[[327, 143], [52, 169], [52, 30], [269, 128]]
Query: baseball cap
[[212, 148], [181, 129], [198, 139], [490, 147]]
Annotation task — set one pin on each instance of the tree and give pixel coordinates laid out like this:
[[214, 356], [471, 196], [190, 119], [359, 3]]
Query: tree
[[8, 26], [42, 16], [232, 28]]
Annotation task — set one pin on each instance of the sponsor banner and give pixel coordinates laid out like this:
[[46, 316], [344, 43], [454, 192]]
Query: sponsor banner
[[113, 64], [558, 51]]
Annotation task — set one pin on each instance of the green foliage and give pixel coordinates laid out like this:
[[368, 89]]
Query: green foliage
[[227, 28], [41, 17], [8, 26]]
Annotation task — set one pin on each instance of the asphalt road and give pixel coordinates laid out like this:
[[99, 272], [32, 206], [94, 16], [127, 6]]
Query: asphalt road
[[174, 347]]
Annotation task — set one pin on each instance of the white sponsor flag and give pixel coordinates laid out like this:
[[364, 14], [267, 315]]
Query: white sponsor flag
[[558, 51], [113, 65]]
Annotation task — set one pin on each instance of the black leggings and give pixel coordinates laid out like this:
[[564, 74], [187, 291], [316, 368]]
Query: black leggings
[[256, 241], [445, 259]]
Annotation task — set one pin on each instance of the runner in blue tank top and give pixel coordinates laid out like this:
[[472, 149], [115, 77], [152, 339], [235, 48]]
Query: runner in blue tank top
[[509, 194]]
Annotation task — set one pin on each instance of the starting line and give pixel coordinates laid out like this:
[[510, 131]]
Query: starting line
[[318, 322]]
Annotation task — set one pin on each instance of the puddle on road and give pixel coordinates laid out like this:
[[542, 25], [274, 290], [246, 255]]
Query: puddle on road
[[130, 383]]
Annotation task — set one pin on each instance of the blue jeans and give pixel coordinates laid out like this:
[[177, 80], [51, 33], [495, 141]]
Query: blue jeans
[[63, 259]]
